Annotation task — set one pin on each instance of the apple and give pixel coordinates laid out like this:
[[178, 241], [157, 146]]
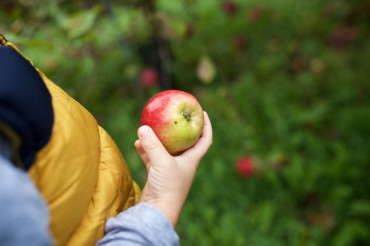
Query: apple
[[229, 7], [245, 166], [342, 36], [149, 77], [239, 41], [254, 14], [176, 117]]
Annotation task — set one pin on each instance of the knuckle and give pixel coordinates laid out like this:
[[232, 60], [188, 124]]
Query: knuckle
[[151, 144]]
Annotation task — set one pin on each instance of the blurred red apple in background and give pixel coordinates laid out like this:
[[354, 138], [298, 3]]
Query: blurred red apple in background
[[245, 166], [176, 117], [254, 14], [341, 36], [239, 41], [229, 7], [149, 77]]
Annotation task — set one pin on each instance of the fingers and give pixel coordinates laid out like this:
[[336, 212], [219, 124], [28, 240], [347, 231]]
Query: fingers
[[139, 148], [142, 154], [149, 147], [207, 134], [205, 141]]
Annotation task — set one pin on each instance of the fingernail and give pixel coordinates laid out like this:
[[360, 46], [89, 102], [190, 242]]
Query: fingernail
[[143, 131]]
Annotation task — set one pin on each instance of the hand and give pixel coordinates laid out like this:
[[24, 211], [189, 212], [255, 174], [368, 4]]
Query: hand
[[170, 177]]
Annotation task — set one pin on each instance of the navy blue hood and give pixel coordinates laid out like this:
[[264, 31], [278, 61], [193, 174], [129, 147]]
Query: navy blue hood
[[25, 105]]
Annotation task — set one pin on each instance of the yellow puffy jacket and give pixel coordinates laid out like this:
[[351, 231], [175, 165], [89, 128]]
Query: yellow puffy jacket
[[80, 172]]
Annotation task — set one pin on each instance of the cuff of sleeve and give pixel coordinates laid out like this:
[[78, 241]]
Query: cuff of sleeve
[[142, 223]]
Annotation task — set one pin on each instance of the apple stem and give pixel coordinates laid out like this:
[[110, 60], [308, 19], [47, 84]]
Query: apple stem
[[187, 116]]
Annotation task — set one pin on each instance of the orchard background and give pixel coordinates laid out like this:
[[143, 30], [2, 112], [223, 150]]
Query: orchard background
[[285, 83]]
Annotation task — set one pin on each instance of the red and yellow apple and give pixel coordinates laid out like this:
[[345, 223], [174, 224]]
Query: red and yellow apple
[[176, 117]]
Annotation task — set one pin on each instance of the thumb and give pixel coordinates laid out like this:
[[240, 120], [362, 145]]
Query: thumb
[[154, 149]]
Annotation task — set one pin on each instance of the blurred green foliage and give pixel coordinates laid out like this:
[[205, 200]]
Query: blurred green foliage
[[287, 85]]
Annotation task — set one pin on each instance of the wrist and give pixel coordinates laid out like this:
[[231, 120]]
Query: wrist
[[171, 210]]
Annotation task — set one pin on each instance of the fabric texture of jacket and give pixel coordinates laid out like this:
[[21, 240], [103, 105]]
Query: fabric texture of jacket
[[72, 160]]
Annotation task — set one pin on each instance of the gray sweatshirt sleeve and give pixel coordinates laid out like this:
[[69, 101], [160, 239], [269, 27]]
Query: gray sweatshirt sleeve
[[24, 217], [142, 224]]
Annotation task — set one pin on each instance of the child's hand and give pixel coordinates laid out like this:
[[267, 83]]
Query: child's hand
[[169, 177]]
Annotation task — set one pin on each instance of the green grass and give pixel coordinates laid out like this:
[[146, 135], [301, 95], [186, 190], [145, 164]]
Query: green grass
[[295, 98]]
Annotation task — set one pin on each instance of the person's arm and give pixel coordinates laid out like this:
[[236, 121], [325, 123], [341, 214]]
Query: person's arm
[[24, 218], [153, 220]]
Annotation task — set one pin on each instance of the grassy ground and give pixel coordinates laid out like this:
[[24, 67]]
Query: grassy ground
[[285, 83]]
